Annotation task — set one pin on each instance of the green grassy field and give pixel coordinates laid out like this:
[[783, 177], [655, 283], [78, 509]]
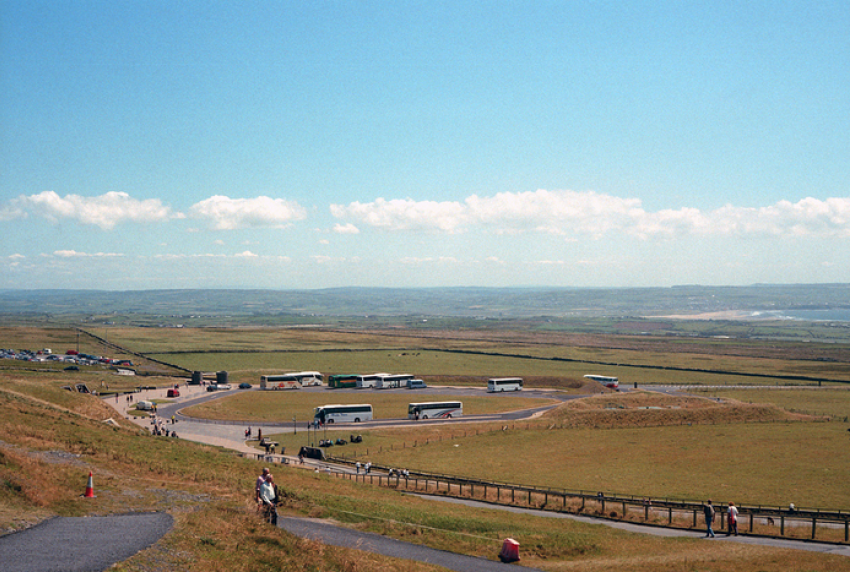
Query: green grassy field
[[283, 406], [770, 463], [51, 439], [208, 491], [834, 402]]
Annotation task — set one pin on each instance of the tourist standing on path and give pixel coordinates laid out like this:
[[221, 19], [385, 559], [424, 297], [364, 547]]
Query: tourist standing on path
[[733, 520], [708, 510]]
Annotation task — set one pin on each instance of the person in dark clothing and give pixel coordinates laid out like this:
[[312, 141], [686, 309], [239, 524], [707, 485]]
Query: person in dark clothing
[[708, 511]]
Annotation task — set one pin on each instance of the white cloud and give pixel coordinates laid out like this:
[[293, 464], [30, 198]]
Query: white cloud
[[404, 214], [413, 260], [75, 254], [345, 228], [572, 214], [225, 213], [246, 254], [104, 211], [11, 212]]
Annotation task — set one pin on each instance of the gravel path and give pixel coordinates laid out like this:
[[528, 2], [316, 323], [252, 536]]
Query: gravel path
[[83, 544]]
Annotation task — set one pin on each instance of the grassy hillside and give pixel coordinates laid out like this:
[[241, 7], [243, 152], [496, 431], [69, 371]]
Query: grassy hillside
[[51, 438]]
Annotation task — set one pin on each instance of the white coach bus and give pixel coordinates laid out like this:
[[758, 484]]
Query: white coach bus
[[395, 380], [497, 384], [327, 414], [435, 410]]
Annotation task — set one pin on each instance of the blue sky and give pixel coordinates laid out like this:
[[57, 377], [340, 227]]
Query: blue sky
[[324, 144]]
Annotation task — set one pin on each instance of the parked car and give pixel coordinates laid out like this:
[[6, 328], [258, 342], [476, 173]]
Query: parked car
[[173, 393], [244, 385], [218, 387]]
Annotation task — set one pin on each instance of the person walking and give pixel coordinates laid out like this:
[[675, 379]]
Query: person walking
[[733, 520], [708, 511]]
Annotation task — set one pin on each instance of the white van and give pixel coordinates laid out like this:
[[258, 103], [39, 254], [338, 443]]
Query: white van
[[144, 405], [416, 384]]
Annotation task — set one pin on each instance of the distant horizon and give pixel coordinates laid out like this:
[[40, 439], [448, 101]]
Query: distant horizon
[[294, 145], [517, 287]]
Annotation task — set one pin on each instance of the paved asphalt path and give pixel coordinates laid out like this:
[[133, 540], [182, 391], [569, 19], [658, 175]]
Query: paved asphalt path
[[81, 544], [347, 538]]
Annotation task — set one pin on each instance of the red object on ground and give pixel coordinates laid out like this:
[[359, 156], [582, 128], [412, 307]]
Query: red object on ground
[[90, 487], [510, 551]]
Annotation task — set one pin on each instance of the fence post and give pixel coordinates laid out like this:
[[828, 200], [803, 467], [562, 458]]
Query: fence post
[[669, 515], [782, 525], [750, 517], [846, 530], [814, 526]]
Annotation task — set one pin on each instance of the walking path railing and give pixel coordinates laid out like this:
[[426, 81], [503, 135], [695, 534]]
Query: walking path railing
[[820, 525]]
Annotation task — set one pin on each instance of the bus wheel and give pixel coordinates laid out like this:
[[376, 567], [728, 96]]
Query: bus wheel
[[424, 417], [449, 416], [357, 420], [330, 421]]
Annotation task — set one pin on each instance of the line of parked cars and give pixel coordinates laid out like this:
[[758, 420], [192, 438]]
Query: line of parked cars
[[71, 356]]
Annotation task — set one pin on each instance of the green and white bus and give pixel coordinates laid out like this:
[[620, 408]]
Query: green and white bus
[[342, 380], [327, 414], [497, 384], [435, 410]]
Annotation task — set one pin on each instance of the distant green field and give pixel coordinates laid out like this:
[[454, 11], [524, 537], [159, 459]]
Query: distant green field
[[433, 364], [771, 463], [833, 401], [283, 406]]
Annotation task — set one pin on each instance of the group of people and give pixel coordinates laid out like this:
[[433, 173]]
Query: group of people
[[366, 468], [709, 512], [160, 427], [399, 473]]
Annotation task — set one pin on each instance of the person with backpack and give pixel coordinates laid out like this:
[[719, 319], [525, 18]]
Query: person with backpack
[[708, 511]]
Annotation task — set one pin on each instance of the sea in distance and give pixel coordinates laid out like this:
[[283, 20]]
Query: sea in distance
[[836, 315]]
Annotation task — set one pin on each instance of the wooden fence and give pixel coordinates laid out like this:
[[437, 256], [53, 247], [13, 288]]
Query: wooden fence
[[829, 526]]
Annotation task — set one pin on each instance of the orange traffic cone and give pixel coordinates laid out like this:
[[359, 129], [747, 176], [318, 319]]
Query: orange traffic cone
[[90, 487]]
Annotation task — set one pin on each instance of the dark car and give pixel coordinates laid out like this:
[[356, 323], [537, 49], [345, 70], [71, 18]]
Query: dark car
[[244, 385]]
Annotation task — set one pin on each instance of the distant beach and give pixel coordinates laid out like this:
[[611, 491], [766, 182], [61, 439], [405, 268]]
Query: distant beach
[[830, 315]]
